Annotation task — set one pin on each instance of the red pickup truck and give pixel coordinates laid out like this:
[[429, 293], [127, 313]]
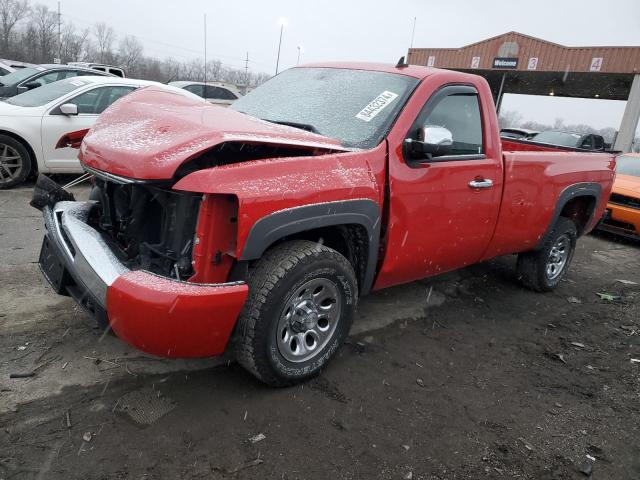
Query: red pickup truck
[[256, 229]]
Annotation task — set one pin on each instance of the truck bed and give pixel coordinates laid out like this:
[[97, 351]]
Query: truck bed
[[518, 145], [535, 179]]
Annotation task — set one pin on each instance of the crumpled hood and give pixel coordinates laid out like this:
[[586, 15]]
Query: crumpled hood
[[149, 133]]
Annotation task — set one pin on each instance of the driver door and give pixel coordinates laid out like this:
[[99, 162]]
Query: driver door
[[55, 124], [443, 207]]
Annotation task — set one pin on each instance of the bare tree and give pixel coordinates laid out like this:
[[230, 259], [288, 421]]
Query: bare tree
[[105, 37], [45, 22], [73, 44], [11, 12], [130, 53], [30, 31], [509, 118]]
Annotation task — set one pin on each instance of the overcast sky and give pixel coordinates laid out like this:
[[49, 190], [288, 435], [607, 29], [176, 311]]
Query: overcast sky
[[370, 30]]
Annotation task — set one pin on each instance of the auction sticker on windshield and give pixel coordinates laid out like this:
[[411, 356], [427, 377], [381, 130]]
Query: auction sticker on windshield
[[378, 104]]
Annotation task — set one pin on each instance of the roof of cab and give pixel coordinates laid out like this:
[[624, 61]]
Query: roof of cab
[[415, 71]]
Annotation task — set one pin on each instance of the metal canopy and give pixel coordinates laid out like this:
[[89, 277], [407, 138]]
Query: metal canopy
[[521, 64], [605, 86]]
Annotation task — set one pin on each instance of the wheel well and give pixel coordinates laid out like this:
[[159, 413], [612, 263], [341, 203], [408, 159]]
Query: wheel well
[[351, 241], [18, 138], [579, 210]]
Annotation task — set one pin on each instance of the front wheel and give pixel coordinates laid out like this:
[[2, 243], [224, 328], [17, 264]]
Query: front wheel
[[302, 297], [543, 269], [15, 162]]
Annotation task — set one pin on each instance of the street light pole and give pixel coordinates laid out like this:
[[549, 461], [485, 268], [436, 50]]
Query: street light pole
[[205, 48], [299, 49], [282, 24]]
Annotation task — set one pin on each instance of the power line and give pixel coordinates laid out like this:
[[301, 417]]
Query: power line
[[165, 44]]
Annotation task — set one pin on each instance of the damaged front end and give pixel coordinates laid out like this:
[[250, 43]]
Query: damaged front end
[[150, 226], [127, 258]]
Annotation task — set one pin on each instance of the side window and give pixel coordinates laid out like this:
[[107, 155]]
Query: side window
[[96, 101], [54, 76], [197, 89], [587, 142], [598, 142], [460, 114], [47, 78], [220, 93]]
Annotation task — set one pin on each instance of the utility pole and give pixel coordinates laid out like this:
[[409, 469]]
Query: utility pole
[[413, 32], [299, 48], [205, 48], [282, 24], [246, 74], [59, 34]]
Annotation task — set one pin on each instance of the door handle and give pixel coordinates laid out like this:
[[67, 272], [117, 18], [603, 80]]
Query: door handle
[[484, 183]]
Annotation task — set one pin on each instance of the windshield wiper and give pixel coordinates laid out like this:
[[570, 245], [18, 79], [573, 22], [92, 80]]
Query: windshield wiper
[[303, 126]]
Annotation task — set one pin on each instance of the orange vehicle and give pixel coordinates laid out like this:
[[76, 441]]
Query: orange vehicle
[[623, 210]]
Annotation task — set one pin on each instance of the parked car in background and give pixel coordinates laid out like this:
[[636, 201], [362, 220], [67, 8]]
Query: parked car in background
[[623, 210], [5, 69], [101, 67], [32, 123], [26, 79], [218, 93], [256, 228], [518, 133], [589, 141], [8, 66]]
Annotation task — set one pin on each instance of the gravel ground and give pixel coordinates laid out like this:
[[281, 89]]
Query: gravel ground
[[463, 376]]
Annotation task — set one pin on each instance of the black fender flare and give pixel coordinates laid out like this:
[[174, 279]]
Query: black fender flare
[[585, 189], [277, 225]]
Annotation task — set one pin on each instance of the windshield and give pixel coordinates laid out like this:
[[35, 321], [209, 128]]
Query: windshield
[[356, 107], [628, 165], [557, 138], [47, 93], [18, 76]]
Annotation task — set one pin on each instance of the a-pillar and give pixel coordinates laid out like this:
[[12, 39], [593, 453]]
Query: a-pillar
[[630, 118]]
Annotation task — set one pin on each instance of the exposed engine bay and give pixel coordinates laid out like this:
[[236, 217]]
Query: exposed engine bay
[[151, 226]]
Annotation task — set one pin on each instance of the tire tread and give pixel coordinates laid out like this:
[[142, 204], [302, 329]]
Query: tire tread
[[274, 266]]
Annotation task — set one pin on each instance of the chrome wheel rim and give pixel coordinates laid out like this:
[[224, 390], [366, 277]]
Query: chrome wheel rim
[[558, 257], [10, 163], [308, 320]]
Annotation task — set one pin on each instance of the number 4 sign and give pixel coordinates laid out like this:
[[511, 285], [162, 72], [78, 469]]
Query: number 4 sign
[[596, 64]]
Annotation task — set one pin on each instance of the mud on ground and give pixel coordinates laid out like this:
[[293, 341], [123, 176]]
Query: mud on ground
[[464, 376]]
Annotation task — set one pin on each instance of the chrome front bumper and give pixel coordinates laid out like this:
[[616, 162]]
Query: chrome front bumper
[[80, 251]]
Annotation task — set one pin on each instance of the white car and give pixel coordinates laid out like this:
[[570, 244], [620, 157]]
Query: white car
[[218, 93], [32, 123], [6, 69]]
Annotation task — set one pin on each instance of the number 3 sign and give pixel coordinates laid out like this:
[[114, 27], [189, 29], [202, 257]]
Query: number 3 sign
[[596, 64]]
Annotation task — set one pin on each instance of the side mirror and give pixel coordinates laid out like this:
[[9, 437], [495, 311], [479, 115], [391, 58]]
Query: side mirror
[[31, 85], [69, 109], [433, 141]]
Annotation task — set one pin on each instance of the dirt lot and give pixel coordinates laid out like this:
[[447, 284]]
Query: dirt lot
[[465, 376]]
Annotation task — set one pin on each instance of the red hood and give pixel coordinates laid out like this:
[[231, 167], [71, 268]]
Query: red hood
[[149, 133]]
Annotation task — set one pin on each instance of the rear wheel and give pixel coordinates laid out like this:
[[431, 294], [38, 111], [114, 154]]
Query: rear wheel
[[15, 162], [543, 269], [302, 297]]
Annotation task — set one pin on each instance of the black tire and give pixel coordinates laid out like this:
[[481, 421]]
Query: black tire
[[273, 283], [11, 176], [532, 266]]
